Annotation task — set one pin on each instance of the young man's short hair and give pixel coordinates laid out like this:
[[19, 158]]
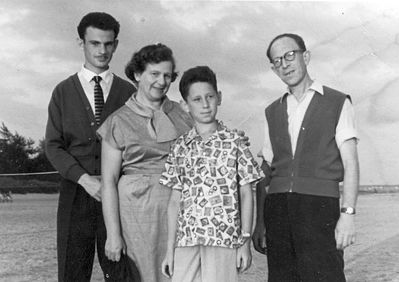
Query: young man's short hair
[[98, 20], [299, 41], [196, 74]]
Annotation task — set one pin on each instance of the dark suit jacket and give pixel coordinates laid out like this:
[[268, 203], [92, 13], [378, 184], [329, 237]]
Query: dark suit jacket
[[72, 145]]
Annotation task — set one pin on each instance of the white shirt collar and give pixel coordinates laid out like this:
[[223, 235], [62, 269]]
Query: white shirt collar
[[315, 86], [88, 74]]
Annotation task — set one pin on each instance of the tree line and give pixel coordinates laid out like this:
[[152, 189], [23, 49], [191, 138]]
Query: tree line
[[18, 154]]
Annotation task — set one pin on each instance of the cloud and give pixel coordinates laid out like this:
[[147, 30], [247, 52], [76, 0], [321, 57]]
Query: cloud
[[196, 16], [354, 48], [9, 19], [8, 16], [384, 104], [27, 119]]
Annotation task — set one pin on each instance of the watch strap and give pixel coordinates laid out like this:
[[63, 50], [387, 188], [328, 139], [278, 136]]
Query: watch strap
[[348, 210], [246, 235]]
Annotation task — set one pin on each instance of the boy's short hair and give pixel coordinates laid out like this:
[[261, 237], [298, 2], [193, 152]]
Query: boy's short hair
[[98, 20], [196, 74]]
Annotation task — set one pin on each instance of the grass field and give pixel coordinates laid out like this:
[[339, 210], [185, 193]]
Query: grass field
[[28, 241]]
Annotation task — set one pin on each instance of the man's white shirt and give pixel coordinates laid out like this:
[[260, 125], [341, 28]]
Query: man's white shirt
[[345, 130], [86, 80]]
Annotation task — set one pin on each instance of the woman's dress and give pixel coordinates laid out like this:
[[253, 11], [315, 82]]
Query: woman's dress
[[144, 136]]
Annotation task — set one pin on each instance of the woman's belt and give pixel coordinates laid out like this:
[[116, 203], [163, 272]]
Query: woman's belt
[[131, 171]]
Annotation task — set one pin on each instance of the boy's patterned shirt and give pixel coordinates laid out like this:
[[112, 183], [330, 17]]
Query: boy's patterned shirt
[[208, 175]]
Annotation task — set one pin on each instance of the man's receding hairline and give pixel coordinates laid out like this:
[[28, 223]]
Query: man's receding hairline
[[292, 39]]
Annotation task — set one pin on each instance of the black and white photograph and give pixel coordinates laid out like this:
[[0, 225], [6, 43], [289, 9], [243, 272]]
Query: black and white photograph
[[163, 140]]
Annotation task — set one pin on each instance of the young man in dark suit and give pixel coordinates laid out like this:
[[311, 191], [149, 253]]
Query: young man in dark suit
[[78, 106]]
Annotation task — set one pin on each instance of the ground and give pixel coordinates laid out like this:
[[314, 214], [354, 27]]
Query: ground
[[28, 241]]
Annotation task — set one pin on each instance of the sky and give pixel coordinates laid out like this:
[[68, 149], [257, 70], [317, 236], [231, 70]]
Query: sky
[[354, 48]]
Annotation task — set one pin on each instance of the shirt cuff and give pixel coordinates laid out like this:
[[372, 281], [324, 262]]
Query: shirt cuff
[[346, 134], [74, 173]]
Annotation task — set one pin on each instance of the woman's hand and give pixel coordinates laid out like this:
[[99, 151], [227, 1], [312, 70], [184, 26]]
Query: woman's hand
[[114, 245], [168, 264], [244, 140]]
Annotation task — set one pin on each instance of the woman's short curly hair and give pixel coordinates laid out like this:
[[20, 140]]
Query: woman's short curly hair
[[150, 54]]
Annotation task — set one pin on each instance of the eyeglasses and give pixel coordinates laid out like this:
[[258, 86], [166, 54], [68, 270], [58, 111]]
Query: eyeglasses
[[289, 56]]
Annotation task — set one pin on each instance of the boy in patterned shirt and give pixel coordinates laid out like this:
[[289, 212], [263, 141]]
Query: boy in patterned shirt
[[211, 207]]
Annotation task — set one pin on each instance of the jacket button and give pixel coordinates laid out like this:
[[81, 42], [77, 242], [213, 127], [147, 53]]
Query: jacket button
[[90, 139], [92, 123]]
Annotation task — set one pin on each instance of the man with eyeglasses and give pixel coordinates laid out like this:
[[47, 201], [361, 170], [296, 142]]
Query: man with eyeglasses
[[310, 147]]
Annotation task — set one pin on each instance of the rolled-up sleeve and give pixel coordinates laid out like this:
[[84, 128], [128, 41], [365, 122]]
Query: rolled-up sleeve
[[170, 176], [266, 151], [346, 127]]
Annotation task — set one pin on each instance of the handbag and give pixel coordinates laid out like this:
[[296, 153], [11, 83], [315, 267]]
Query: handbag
[[124, 270]]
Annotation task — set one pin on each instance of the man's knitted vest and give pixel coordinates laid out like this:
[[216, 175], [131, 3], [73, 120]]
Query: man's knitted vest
[[316, 168]]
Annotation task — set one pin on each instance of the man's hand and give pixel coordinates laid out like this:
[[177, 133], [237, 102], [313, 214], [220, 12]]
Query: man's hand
[[244, 257], [259, 238], [345, 231], [92, 185], [243, 138]]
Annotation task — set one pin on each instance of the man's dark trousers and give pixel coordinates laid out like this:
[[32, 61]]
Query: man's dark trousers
[[87, 229], [300, 237]]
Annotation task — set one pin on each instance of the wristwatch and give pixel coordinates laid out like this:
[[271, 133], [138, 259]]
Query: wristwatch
[[245, 235], [348, 210]]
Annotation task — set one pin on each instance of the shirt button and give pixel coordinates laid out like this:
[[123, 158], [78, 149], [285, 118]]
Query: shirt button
[[92, 123]]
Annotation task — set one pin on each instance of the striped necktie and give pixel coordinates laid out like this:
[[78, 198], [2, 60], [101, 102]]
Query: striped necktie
[[98, 98]]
